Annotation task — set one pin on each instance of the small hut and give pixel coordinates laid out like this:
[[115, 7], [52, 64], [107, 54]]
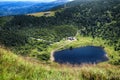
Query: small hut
[[47, 13], [71, 38]]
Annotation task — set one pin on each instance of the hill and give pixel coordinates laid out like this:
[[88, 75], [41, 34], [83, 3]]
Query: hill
[[20, 68], [32, 39], [25, 7], [95, 20]]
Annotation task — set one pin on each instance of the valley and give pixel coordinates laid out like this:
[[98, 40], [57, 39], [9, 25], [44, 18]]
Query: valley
[[50, 70], [28, 43], [24, 7]]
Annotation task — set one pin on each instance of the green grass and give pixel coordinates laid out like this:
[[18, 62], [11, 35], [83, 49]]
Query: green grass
[[39, 14], [87, 41], [13, 67], [16, 67]]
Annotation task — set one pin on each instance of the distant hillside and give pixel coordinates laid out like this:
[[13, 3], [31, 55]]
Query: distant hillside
[[46, 13], [17, 8], [98, 18], [28, 41], [31, 35], [71, 4]]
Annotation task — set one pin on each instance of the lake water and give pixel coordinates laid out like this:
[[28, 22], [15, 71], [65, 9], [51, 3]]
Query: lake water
[[82, 55]]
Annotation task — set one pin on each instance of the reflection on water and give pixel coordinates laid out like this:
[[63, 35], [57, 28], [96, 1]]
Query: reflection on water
[[88, 54]]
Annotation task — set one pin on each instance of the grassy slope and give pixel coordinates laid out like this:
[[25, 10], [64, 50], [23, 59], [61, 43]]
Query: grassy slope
[[86, 41], [13, 67], [39, 14]]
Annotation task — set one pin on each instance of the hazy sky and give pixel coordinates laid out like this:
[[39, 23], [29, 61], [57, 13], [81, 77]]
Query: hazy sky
[[37, 0]]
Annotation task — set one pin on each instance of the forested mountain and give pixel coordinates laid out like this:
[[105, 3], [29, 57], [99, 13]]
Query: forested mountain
[[25, 7], [97, 18], [93, 18], [34, 39]]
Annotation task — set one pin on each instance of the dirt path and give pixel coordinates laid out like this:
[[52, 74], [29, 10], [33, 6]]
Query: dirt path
[[52, 52]]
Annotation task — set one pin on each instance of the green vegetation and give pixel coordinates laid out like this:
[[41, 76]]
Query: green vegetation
[[88, 41], [13, 67], [30, 35], [32, 39], [39, 14], [35, 41]]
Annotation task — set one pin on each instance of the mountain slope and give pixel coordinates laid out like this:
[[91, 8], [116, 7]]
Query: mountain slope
[[17, 8], [20, 68], [30, 41], [97, 19]]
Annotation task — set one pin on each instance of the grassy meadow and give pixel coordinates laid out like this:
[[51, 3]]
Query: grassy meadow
[[16, 67], [39, 14], [27, 42]]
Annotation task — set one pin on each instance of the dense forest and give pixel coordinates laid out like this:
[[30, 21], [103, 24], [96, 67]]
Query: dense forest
[[28, 42], [96, 18]]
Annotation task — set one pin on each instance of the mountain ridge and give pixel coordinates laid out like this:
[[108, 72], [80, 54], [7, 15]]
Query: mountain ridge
[[31, 37], [20, 8]]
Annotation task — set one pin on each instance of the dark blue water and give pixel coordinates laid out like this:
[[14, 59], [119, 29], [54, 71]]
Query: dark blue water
[[82, 55]]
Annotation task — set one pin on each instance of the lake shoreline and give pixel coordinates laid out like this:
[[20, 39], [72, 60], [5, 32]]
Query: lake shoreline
[[73, 56]]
